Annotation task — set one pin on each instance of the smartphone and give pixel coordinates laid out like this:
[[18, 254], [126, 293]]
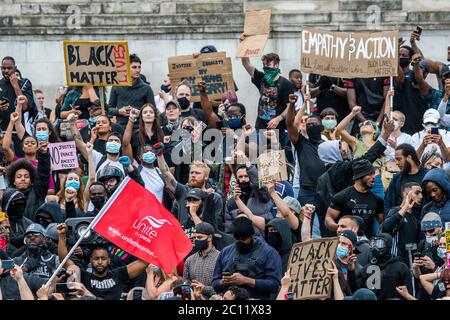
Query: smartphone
[[63, 288], [434, 130], [137, 294], [186, 291], [419, 29], [7, 264], [417, 255], [226, 274]]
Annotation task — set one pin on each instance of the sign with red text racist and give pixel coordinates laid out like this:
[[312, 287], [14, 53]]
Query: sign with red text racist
[[308, 263], [214, 69], [97, 63], [349, 54], [63, 155], [256, 31], [135, 221]]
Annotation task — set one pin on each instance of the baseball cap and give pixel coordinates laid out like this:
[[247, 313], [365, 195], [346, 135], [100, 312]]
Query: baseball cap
[[196, 193], [362, 294], [35, 228], [173, 102], [204, 228], [445, 71], [293, 204], [431, 115], [352, 237], [208, 49]]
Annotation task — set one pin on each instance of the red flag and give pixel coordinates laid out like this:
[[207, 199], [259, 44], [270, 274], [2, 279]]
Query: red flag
[[135, 221]]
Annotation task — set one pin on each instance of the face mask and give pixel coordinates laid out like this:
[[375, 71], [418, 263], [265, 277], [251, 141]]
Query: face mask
[[274, 240], [200, 245], [113, 147], [245, 187], [329, 124], [314, 132], [184, 103], [244, 247], [73, 184], [342, 251], [270, 74], [98, 202], [431, 239], [149, 157], [404, 62], [93, 120], [165, 88], [42, 135], [441, 252], [396, 125], [235, 123], [3, 243]]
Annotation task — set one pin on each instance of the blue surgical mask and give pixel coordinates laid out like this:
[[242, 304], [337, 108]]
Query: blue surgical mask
[[442, 252], [329, 124], [235, 123], [113, 147], [342, 252], [42, 135], [148, 157], [73, 184], [93, 120]]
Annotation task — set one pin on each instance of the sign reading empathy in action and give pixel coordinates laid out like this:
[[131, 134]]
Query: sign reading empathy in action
[[308, 263], [256, 31], [97, 63], [213, 68], [272, 167], [63, 155], [349, 54]]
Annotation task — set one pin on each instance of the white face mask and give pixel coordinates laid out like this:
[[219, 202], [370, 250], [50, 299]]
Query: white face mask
[[431, 239], [396, 125]]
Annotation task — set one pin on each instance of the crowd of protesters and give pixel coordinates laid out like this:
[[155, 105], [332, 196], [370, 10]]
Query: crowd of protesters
[[376, 179]]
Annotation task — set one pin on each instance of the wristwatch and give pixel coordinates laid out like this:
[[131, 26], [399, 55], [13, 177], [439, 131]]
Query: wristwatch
[[332, 87]]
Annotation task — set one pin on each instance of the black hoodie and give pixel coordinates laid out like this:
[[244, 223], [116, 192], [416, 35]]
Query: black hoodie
[[284, 230], [51, 209]]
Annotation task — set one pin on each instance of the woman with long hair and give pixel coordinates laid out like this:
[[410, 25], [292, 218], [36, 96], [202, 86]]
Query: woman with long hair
[[158, 281], [72, 185]]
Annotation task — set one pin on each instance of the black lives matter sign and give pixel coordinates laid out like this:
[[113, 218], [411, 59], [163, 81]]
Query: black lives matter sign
[[97, 63], [308, 263]]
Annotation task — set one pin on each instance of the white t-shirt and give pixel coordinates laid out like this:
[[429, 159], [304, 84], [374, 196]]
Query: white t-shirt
[[97, 156], [153, 182], [390, 152], [417, 139], [299, 102], [160, 105]]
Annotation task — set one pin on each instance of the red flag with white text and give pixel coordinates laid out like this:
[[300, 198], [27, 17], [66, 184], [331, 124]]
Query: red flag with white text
[[135, 221]]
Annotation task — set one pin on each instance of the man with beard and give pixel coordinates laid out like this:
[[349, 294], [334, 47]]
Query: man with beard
[[199, 267], [249, 263], [103, 283], [37, 259], [357, 199], [411, 171]]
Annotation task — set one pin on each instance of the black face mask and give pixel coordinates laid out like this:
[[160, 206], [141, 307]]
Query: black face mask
[[274, 240], [165, 88], [244, 247], [245, 187], [314, 132], [404, 62], [184, 103], [200, 245], [35, 251], [98, 202]]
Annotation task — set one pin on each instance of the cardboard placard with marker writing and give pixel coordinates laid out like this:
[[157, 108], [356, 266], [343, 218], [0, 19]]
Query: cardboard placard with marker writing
[[256, 30], [272, 167]]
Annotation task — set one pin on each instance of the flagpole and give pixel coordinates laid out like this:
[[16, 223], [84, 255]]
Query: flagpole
[[88, 229], [308, 106], [391, 98]]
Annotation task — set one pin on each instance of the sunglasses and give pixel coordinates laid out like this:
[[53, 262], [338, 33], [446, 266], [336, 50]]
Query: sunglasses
[[365, 123], [31, 235], [430, 230]]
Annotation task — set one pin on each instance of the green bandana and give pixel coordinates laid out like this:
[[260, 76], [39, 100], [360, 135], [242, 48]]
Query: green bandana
[[270, 74]]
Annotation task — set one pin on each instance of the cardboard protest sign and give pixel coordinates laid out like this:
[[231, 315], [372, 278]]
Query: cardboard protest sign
[[256, 29], [63, 155], [308, 263], [214, 69], [97, 63], [272, 166], [447, 236], [349, 54]]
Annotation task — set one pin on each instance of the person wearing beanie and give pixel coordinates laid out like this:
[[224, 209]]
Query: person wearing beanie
[[393, 272], [357, 199], [249, 263], [436, 187]]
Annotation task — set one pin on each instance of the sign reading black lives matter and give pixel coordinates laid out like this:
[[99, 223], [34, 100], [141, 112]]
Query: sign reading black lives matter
[[349, 54], [212, 68], [97, 63], [308, 263]]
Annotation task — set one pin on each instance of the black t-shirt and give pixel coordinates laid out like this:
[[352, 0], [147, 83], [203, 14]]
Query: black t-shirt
[[311, 167], [369, 94], [273, 100], [329, 99], [109, 287], [366, 205]]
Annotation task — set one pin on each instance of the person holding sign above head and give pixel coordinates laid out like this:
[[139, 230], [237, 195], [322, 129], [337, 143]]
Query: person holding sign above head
[[78, 101], [122, 99]]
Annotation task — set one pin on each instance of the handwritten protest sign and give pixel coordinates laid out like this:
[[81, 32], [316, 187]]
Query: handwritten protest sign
[[272, 166], [308, 263], [63, 155], [349, 54], [214, 69], [256, 29], [97, 63]]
